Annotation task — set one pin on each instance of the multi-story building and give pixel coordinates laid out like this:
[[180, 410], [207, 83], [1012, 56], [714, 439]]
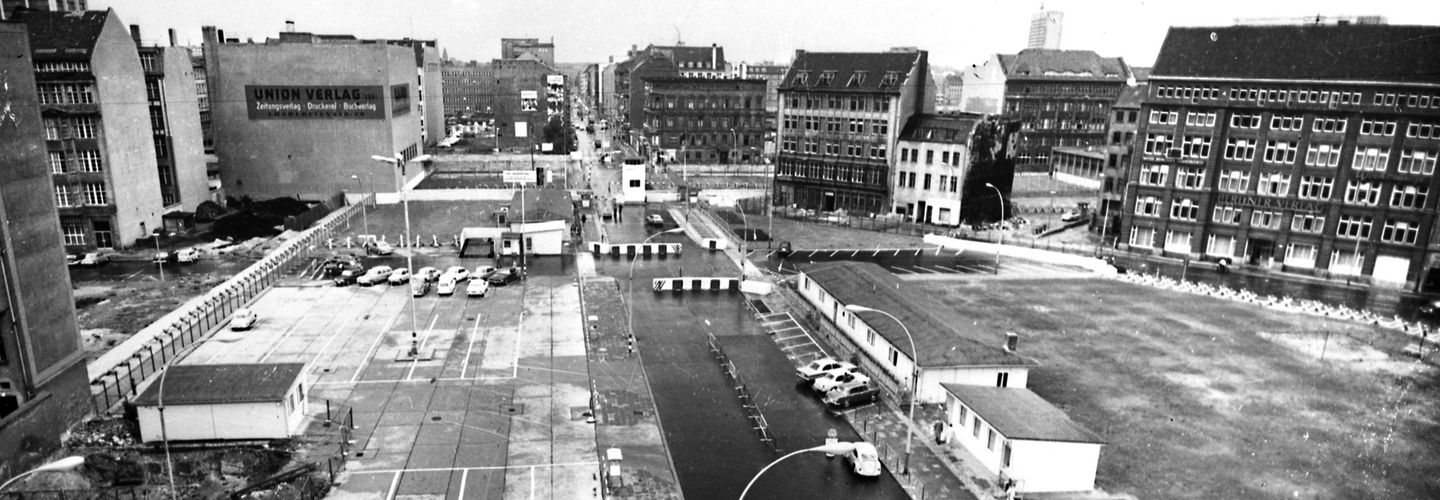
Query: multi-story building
[[528, 48], [8, 7], [469, 90], [207, 126], [589, 87], [176, 128], [1124, 122], [430, 89], [706, 120], [945, 163], [774, 75], [840, 114], [1045, 28], [520, 108], [298, 115], [1315, 154], [695, 62], [101, 129], [43, 385], [628, 123]]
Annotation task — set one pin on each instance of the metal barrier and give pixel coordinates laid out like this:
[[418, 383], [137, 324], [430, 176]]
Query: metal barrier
[[633, 249], [712, 284], [747, 400], [118, 373]]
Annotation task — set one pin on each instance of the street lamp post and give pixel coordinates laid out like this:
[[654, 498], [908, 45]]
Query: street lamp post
[[838, 448], [399, 161], [159, 264], [914, 376], [744, 232], [61, 465], [630, 292], [364, 215], [1001, 240], [160, 407], [734, 141]]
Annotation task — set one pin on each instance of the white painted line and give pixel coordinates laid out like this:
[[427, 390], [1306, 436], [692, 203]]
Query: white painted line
[[281, 340], [515, 371], [782, 339], [795, 346], [933, 269], [833, 252], [473, 330], [778, 330], [127, 278], [957, 252], [968, 269], [768, 323], [897, 253], [465, 474], [483, 467], [918, 250], [394, 483], [907, 271], [532, 483], [333, 336], [376, 345], [852, 254], [416, 362]]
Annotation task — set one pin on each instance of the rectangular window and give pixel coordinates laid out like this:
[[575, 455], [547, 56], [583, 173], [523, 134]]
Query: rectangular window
[[1377, 127], [1153, 174], [1328, 125], [1307, 223], [1301, 255], [1354, 226], [1220, 246], [929, 157], [1148, 206], [1282, 122], [1177, 241], [82, 127], [1373, 159], [1242, 120], [1189, 177], [152, 90], [894, 357], [52, 129], [1273, 184], [1343, 262], [1002, 379], [1399, 231], [1416, 162], [1234, 181], [1184, 209], [990, 441], [88, 161], [1316, 188], [1193, 119], [57, 162], [1418, 130], [63, 196], [1322, 155], [95, 193], [74, 232], [1280, 152], [1158, 144], [1163, 117], [1197, 147], [1142, 237], [1362, 193], [1411, 196], [870, 336], [1265, 219], [1226, 214], [1239, 149], [926, 185]]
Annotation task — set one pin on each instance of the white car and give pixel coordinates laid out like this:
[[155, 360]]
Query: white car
[[243, 319], [400, 276], [864, 459], [477, 288], [820, 367], [837, 378], [187, 255], [94, 259], [483, 273], [428, 274], [374, 275], [460, 273], [446, 286]]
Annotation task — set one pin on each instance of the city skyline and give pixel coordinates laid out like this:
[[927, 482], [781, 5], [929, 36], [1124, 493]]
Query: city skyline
[[956, 35]]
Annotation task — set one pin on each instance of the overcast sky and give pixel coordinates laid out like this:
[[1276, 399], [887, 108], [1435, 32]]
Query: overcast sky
[[956, 32]]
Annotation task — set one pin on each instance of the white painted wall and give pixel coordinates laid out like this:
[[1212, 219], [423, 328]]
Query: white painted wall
[[263, 420], [632, 174], [930, 379], [1041, 466]]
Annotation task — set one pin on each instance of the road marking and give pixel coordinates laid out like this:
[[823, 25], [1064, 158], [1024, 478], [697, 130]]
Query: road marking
[[394, 483], [515, 372], [933, 269], [833, 252], [465, 474], [532, 483], [127, 278], [473, 330], [280, 340], [778, 330], [782, 339], [907, 271], [957, 252], [807, 344], [371, 352], [416, 362], [481, 467], [852, 254], [968, 269]]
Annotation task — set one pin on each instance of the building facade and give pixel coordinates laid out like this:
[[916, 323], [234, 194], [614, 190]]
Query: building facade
[[178, 134], [528, 48], [944, 165], [43, 385], [1124, 122], [774, 75], [1045, 29], [8, 7], [430, 89], [840, 114], [629, 94], [1061, 98], [101, 128], [300, 114], [1316, 156], [695, 62], [705, 120]]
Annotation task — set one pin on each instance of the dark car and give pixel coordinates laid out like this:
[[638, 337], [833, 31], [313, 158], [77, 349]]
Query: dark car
[[348, 276], [785, 249], [506, 276], [333, 266], [852, 394]]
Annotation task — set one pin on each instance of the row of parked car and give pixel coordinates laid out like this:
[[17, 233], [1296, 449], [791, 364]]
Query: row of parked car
[[347, 271], [840, 384]]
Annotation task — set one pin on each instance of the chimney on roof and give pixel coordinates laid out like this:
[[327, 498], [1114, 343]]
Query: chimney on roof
[[172, 38], [135, 33], [289, 26], [714, 56], [1012, 341]]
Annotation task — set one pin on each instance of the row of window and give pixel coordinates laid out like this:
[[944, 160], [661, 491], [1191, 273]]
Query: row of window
[[822, 124], [843, 173], [687, 102], [82, 161], [1355, 227], [857, 78], [87, 193], [62, 67], [872, 151], [70, 127], [852, 103], [1185, 209], [696, 122], [946, 158], [1297, 254], [948, 183], [1295, 123], [1412, 161], [1319, 188], [66, 93]]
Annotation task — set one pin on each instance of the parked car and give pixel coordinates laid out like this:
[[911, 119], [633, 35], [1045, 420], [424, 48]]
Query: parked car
[[379, 248], [428, 274], [1070, 216], [400, 276], [335, 266], [94, 259], [838, 378], [460, 273], [864, 459], [187, 255], [72, 258], [446, 286], [375, 275], [161, 258], [243, 319], [419, 288], [349, 276], [506, 276], [785, 249], [821, 367], [654, 220], [477, 288], [483, 273], [851, 394]]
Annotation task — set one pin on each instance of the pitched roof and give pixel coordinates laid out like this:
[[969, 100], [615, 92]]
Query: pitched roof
[[952, 128], [1356, 52], [850, 71], [682, 54], [1019, 413], [69, 34], [222, 384], [1130, 96], [1055, 64], [940, 344]]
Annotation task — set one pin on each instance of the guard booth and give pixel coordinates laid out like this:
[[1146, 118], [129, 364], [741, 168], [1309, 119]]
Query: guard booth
[[632, 180]]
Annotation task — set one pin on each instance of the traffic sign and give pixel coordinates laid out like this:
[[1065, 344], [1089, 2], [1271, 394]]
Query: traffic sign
[[519, 176]]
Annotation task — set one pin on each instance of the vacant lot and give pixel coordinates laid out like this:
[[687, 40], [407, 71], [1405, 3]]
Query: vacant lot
[[1197, 401]]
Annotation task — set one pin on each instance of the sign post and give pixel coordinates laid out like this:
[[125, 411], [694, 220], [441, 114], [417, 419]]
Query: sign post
[[520, 177]]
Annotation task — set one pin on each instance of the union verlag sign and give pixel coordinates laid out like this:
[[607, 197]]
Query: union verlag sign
[[289, 102]]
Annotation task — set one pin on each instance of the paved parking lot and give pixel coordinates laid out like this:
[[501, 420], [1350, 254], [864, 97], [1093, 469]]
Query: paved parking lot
[[493, 409], [926, 261]]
